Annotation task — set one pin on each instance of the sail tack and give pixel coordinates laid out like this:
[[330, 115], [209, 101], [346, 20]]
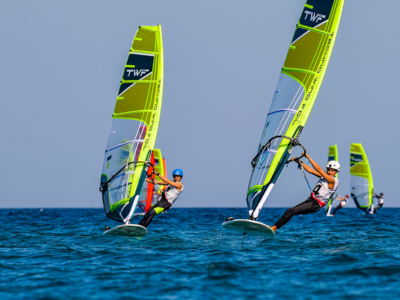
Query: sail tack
[[298, 86], [134, 125], [361, 183]]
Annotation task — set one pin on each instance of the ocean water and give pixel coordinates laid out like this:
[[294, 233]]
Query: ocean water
[[63, 254]]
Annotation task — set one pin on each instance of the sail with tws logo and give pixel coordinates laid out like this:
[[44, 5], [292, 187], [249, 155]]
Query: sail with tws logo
[[298, 86], [134, 125], [332, 155], [361, 182]]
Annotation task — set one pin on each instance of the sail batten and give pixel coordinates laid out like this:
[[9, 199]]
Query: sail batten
[[134, 125], [298, 85]]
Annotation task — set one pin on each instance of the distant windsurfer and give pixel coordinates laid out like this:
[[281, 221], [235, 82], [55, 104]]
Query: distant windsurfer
[[168, 197], [380, 203], [320, 195], [343, 203]]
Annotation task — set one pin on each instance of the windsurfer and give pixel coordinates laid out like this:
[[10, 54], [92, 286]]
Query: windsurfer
[[380, 201], [168, 197], [343, 202], [320, 195]]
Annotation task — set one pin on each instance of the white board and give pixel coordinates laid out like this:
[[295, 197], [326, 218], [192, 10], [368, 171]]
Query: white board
[[250, 227], [128, 230]]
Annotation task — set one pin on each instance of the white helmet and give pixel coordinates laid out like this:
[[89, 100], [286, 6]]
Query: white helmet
[[333, 164]]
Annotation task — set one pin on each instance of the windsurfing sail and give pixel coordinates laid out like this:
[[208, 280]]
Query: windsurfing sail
[[332, 155], [361, 183], [146, 196], [160, 167], [298, 86], [134, 125], [150, 191]]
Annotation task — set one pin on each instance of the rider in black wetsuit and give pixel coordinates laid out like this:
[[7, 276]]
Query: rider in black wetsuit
[[320, 195]]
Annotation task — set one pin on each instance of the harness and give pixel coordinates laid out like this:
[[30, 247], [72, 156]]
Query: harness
[[322, 204]]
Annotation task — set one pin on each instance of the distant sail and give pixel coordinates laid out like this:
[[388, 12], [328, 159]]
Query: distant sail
[[150, 191], [295, 94], [134, 125], [361, 183], [332, 155], [146, 196], [160, 165]]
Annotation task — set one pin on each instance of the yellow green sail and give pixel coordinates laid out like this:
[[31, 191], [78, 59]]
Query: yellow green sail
[[134, 125], [159, 163], [361, 182], [332, 155], [298, 86]]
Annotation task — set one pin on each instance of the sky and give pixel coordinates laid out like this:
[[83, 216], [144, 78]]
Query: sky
[[61, 63]]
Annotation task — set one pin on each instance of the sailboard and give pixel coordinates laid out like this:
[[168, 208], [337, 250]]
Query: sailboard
[[361, 182], [151, 191], [332, 155], [128, 230], [134, 126], [249, 227], [297, 89]]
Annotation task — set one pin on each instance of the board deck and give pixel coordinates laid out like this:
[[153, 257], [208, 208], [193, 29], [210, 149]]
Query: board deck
[[251, 227], [131, 230]]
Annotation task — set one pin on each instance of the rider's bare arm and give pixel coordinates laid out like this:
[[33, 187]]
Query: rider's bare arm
[[178, 185], [311, 170], [157, 182], [329, 178]]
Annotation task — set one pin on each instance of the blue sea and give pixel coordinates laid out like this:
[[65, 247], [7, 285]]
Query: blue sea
[[63, 254]]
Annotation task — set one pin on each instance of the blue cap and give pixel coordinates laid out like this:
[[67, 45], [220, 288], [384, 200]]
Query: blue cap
[[177, 172]]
